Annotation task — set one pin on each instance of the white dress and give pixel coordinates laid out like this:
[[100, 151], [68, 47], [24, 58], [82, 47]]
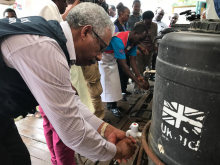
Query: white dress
[[45, 8], [210, 10], [110, 79]]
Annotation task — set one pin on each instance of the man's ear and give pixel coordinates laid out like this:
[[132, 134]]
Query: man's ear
[[135, 33], [85, 31]]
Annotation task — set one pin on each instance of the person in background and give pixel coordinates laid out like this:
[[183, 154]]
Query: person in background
[[46, 8], [61, 5], [173, 19], [159, 13], [121, 44], [9, 13], [144, 58], [203, 15], [123, 16], [135, 16], [212, 9], [112, 13], [120, 26], [40, 74], [92, 77], [70, 3]]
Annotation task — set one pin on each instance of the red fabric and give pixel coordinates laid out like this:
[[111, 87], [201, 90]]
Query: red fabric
[[124, 37], [60, 153]]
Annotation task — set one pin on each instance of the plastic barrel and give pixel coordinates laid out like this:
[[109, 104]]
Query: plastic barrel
[[185, 125]]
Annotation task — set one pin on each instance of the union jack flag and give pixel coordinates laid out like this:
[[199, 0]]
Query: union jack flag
[[18, 6], [176, 114], [122, 51]]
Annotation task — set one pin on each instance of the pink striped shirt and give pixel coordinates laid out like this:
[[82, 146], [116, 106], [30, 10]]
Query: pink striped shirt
[[43, 66]]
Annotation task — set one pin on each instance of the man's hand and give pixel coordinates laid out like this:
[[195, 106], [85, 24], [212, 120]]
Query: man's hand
[[125, 150], [115, 136], [143, 50], [141, 79], [146, 84], [143, 85], [118, 135], [138, 53]]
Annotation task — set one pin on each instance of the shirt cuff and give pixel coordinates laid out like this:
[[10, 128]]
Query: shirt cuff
[[95, 122], [111, 152]]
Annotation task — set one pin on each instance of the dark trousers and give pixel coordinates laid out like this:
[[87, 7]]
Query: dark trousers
[[12, 149], [123, 77], [154, 59], [112, 105]]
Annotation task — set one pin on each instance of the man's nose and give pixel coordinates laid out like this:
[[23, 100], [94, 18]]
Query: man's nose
[[99, 57]]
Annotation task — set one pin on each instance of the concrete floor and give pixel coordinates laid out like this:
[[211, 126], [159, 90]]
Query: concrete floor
[[31, 131]]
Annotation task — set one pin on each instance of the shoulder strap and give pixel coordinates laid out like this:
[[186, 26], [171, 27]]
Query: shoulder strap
[[36, 26], [120, 27]]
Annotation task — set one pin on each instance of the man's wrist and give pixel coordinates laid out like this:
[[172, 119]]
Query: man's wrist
[[109, 129], [118, 153], [104, 129]]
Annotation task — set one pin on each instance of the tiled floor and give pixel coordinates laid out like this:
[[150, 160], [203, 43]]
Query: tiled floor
[[31, 131]]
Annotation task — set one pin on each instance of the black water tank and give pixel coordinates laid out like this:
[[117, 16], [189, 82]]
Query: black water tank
[[185, 125]]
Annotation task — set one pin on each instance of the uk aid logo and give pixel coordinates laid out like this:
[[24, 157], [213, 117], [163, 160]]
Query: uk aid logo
[[121, 51], [189, 120], [17, 6]]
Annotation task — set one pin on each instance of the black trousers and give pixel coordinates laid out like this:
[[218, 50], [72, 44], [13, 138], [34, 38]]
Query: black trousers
[[12, 149], [123, 77], [112, 105], [154, 59]]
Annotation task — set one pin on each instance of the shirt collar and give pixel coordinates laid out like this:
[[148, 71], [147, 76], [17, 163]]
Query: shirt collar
[[70, 45], [132, 14], [157, 21]]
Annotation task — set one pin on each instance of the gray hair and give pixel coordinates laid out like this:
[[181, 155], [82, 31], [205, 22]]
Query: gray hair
[[87, 13]]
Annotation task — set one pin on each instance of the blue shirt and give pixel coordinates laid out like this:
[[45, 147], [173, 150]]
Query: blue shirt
[[117, 45], [131, 21], [217, 7]]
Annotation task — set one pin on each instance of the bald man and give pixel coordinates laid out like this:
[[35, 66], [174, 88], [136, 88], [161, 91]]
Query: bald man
[[173, 19], [159, 13]]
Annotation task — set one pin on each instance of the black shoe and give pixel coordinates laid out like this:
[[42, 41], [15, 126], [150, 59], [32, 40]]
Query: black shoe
[[126, 92], [109, 105], [106, 120], [124, 99], [117, 113]]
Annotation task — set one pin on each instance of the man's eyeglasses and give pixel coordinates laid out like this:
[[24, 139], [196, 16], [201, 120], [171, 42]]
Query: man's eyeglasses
[[102, 49]]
